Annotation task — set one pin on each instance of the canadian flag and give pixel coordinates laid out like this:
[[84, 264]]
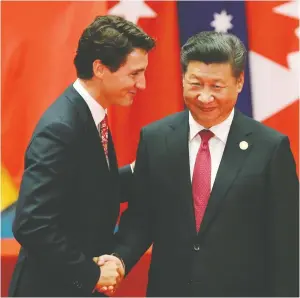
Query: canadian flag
[[273, 32]]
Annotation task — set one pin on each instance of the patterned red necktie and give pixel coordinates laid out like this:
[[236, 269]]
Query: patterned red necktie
[[202, 177], [103, 128]]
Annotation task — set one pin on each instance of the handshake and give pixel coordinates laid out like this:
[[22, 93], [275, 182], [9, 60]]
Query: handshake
[[112, 273]]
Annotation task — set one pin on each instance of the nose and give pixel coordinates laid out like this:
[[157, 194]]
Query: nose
[[205, 97], [141, 82]]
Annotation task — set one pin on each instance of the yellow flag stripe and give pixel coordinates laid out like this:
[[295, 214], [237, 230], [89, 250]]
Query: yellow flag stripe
[[9, 191]]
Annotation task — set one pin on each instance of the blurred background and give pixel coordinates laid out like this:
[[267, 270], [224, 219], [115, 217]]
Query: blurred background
[[38, 44]]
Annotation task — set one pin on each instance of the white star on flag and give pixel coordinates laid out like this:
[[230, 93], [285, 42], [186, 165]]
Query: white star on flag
[[132, 10], [222, 21]]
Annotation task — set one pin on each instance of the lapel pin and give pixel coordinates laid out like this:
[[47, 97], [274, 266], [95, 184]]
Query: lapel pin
[[244, 145]]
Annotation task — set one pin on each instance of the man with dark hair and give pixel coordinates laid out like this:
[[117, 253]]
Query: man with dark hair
[[70, 192], [216, 191]]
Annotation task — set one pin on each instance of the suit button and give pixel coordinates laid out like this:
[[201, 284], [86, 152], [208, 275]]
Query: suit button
[[196, 247]]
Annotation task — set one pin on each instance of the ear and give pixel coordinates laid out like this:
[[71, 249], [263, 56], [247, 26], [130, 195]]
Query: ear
[[98, 69], [183, 79], [240, 82]]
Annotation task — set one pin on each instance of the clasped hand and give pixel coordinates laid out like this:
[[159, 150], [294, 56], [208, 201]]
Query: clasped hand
[[112, 273]]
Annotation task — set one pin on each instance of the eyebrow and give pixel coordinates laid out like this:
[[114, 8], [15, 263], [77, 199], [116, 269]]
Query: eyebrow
[[193, 76], [138, 70]]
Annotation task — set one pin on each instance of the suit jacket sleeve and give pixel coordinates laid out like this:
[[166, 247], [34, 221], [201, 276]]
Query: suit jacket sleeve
[[134, 236], [283, 223], [126, 183], [42, 199]]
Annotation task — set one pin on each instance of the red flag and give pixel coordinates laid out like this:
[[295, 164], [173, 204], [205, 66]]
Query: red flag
[[163, 94], [274, 56], [39, 40]]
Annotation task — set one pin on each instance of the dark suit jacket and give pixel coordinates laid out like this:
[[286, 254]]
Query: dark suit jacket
[[68, 203], [248, 240]]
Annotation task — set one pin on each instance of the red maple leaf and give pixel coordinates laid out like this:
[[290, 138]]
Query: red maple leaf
[[271, 34]]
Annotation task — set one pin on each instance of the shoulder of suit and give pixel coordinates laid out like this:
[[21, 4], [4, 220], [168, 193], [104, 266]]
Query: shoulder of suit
[[59, 113], [166, 122], [263, 131]]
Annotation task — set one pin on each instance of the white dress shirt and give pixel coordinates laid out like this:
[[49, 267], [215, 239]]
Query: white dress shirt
[[96, 109], [216, 143]]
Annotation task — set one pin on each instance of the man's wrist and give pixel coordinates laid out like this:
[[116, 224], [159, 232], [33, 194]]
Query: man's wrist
[[132, 168]]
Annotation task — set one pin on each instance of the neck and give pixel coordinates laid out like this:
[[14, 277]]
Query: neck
[[93, 89]]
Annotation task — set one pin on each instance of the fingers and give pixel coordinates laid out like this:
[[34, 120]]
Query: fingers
[[121, 271], [112, 273], [105, 258], [103, 289], [101, 260], [109, 291]]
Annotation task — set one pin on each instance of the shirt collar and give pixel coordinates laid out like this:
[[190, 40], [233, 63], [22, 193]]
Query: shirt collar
[[220, 130], [96, 109]]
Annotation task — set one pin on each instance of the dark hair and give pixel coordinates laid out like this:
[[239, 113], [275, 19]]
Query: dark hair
[[109, 39], [214, 47]]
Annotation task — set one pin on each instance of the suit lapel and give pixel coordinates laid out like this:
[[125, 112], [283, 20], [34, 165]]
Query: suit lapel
[[91, 130], [113, 164], [178, 155], [231, 163]]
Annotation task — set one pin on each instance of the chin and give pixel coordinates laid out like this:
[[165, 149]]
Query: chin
[[126, 103], [209, 120]]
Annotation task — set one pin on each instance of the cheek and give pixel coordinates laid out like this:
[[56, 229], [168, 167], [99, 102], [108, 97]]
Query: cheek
[[225, 103], [113, 85], [189, 101], [127, 82], [190, 95]]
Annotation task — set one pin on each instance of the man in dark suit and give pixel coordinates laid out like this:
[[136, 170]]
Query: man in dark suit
[[70, 192], [216, 191]]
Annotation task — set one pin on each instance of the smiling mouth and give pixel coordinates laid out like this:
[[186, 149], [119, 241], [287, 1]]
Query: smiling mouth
[[206, 109]]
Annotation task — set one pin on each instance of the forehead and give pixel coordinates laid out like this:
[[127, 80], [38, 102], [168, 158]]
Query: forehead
[[136, 59], [212, 70]]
